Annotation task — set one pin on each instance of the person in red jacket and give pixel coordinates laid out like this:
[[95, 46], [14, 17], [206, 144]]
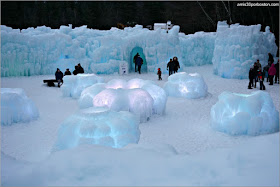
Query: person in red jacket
[[159, 74], [271, 73]]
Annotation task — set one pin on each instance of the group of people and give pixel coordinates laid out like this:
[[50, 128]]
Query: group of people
[[173, 65], [59, 75], [269, 71]]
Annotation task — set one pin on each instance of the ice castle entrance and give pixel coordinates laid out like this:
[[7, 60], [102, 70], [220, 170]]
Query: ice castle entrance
[[134, 51]]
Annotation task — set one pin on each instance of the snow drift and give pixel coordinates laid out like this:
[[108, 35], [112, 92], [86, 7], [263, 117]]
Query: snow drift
[[16, 107], [238, 114]]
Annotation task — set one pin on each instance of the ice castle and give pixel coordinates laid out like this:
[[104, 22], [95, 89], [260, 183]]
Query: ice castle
[[36, 51]]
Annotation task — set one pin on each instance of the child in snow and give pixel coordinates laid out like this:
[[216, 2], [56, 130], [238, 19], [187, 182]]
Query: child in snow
[[159, 74], [260, 76]]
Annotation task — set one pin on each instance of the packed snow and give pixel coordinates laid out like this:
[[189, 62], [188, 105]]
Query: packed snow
[[98, 126], [191, 86], [141, 97], [73, 85], [251, 114], [170, 145], [237, 47], [16, 107]]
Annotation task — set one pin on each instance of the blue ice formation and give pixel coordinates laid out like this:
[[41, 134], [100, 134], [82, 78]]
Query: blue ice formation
[[190, 86], [73, 85], [141, 97], [36, 51], [241, 114], [99, 126], [237, 47], [16, 107]]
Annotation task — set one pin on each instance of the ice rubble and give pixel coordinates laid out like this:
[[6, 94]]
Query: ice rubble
[[73, 85], [16, 107], [237, 47], [138, 96], [185, 85], [251, 114], [98, 126]]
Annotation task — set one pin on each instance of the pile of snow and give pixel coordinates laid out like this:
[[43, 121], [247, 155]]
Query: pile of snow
[[238, 114], [98, 126], [185, 85], [254, 163], [138, 96], [73, 85], [16, 107], [40, 50], [237, 47]]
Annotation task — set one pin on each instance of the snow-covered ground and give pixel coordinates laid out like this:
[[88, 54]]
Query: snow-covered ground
[[202, 156]]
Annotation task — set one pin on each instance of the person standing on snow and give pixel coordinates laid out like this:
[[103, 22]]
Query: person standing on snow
[[58, 77], [139, 62], [277, 72], [251, 78], [256, 67], [134, 60], [176, 64], [159, 74], [171, 66], [271, 73], [260, 76], [80, 68]]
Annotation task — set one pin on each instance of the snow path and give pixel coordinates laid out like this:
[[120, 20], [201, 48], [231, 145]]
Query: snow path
[[185, 126]]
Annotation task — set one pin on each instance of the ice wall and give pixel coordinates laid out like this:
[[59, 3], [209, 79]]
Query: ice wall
[[41, 50], [237, 47]]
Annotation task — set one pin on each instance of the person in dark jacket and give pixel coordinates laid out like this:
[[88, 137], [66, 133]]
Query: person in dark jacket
[[176, 64], [159, 74], [139, 62], [80, 68], [270, 58], [171, 66], [260, 76], [271, 73], [67, 72], [134, 60], [251, 78], [75, 72], [256, 73], [59, 77], [277, 72]]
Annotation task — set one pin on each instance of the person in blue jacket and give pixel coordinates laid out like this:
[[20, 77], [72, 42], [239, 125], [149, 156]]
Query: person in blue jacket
[[139, 62], [59, 77]]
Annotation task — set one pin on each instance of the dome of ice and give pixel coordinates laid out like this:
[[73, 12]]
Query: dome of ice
[[141, 97], [185, 85], [16, 107], [251, 114], [98, 126], [73, 85]]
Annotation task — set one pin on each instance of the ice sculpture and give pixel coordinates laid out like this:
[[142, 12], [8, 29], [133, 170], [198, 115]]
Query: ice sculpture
[[98, 126], [16, 107], [251, 114], [185, 85]]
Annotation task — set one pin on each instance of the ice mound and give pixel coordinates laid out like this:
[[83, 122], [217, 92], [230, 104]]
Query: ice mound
[[98, 126], [237, 47], [238, 114], [190, 86], [139, 96], [16, 107], [73, 85]]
